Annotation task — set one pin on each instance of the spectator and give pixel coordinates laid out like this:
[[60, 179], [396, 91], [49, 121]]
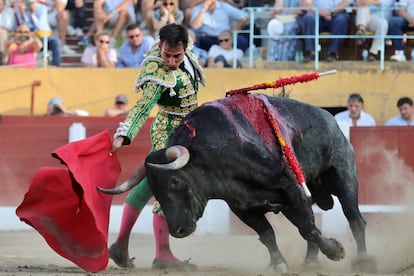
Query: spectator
[[121, 107], [223, 55], [101, 55], [355, 115], [23, 47], [7, 24], [77, 10], [132, 52], [200, 54], [406, 118], [187, 7], [113, 14], [58, 18], [35, 16], [169, 12], [146, 9], [369, 17], [284, 22], [332, 18], [212, 17], [56, 107], [403, 22], [236, 3]]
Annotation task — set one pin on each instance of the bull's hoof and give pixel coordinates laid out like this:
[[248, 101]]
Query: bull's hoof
[[333, 249], [366, 264], [280, 268]]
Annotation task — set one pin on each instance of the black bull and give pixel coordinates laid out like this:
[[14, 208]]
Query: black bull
[[227, 149]]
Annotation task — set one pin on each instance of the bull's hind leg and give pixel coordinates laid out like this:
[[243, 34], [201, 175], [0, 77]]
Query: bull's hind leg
[[346, 189], [260, 224]]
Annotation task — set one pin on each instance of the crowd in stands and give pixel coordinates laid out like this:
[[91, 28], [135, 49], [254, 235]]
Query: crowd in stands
[[122, 22], [355, 116]]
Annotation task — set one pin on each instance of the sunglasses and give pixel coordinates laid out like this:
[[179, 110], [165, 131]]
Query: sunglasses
[[23, 32], [168, 4], [132, 36], [104, 41], [224, 40]]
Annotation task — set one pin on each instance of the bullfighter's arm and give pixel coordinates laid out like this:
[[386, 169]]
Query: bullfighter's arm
[[139, 113]]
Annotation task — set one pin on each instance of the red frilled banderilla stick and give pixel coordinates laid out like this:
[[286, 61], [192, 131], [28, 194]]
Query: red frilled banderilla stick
[[280, 82]]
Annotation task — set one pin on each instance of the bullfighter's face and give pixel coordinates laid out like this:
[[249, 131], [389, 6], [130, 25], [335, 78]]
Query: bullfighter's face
[[172, 56]]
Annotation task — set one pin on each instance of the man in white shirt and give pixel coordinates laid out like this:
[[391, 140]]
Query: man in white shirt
[[406, 118], [355, 115]]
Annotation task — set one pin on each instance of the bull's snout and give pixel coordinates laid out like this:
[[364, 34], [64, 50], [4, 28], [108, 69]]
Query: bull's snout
[[182, 232]]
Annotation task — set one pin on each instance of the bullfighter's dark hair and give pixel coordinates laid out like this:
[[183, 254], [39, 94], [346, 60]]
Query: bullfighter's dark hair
[[174, 35], [404, 100], [355, 97]]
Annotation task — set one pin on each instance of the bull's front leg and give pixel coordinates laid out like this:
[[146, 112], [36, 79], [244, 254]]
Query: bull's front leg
[[300, 213], [259, 223]]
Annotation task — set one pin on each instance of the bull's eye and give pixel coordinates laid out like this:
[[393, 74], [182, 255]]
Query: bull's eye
[[175, 183]]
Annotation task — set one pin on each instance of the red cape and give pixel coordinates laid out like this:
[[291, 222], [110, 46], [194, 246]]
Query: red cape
[[65, 207]]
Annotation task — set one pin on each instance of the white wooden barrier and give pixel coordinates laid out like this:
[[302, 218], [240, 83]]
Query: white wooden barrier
[[215, 220]]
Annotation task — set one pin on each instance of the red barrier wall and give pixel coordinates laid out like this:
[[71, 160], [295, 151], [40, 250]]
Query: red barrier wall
[[384, 155], [385, 163]]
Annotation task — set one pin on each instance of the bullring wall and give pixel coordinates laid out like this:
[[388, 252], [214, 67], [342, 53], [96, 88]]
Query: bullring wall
[[384, 162], [94, 89]]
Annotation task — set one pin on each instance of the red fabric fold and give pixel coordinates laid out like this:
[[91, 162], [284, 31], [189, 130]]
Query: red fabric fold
[[65, 207]]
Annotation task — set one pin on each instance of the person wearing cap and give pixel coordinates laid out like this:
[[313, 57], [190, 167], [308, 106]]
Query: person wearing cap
[[120, 108], [169, 78], [355, 115], [283, 22], [55, 107]]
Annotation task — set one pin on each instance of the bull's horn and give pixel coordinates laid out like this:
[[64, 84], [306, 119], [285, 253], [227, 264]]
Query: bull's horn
[[179, 156], [138, 175]]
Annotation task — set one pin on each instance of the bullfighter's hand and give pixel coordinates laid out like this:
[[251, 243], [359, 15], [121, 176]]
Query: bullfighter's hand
[[116, 144]]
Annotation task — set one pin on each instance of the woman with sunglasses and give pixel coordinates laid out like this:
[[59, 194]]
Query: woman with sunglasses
[[166, 13], [100, 55], [23, 47]]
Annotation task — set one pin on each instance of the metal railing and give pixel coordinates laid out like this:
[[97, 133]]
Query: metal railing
[[252, 11]]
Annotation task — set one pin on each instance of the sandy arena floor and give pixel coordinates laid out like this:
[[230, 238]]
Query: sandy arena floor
[[26, 253]]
